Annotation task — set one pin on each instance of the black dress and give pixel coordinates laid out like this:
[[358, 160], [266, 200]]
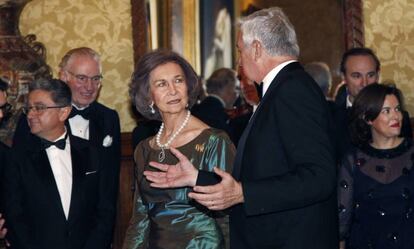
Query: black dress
[[376, 198]]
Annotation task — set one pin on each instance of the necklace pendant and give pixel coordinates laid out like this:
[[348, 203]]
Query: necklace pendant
[[161, 156]]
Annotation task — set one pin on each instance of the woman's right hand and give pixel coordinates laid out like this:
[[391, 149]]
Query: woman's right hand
[[342, 244], [182, 174]]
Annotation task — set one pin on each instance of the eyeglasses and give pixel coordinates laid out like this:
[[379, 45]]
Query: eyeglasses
[[83, 79], [6, 108], [39, 109]]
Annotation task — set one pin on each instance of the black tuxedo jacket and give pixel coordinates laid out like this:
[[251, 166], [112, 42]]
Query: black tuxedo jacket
[[211, 111], [285, 163], [4, 152], [103, 122], [33, 209]]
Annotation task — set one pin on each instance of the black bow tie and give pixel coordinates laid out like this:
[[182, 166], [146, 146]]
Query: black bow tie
[[259, 88], [85, 113], [60, 144]]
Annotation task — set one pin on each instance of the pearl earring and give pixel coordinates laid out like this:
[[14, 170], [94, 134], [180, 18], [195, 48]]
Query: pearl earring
[[151, 106]]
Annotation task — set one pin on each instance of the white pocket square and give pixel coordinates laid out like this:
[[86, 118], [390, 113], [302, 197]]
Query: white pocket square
[[107, 141], [90, 172]]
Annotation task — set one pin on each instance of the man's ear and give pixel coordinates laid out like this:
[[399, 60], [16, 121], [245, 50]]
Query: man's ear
[[63, 75], [257, 49], [64, 112], [343, 77]]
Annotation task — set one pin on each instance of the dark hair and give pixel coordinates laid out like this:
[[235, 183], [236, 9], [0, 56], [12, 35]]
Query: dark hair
[[3, 85], [366, 107], [356, 52], [59, 90], [220, 79], [140, 84]]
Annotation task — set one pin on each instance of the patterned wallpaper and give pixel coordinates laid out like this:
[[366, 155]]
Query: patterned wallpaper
[[104, 25], [389, 30]]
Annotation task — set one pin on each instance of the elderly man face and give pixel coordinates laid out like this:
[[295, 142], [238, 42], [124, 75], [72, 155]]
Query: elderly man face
[[246, 60], [46, 119], [83, 75]]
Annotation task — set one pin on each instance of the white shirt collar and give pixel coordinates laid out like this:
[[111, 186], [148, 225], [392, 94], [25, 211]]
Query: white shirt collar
[[62, 136], [348, 102], [272, 74], [80, 108]]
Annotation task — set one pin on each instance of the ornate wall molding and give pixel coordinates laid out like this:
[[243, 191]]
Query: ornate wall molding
[[353, 24]]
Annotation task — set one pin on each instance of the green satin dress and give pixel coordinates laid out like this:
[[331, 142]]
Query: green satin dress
[[167, 218]]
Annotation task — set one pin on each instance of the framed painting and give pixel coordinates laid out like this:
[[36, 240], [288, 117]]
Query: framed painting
[[216, 35]]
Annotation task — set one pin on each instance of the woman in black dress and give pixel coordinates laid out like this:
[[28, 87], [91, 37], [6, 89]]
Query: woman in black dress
[[376, 182]]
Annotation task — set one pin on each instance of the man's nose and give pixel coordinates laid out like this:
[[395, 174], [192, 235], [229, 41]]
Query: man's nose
[[365, 81], [89, 85]]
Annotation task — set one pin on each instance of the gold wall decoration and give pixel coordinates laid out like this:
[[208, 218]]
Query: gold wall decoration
[[389, 30], [191, 33], [22, 59], [104, 25]]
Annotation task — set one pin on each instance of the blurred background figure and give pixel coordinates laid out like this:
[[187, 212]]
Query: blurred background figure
[[4, 150], [244, 106], [222, 91], [221, 52], [375, 181], [321, 73]]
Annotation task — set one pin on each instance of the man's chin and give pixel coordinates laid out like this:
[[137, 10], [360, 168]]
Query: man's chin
[[83, 103]]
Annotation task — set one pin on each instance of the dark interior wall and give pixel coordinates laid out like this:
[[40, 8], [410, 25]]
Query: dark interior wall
[[319, 27]]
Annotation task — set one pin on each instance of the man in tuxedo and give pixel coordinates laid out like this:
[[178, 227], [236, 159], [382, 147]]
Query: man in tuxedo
[[282, 190], [4, 149], [60, 191], [359, 67], [222, 93], [81, 69]]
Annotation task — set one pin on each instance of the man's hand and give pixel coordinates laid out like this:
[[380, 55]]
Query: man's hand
[[225, 194], [182, 174], [3, 231]]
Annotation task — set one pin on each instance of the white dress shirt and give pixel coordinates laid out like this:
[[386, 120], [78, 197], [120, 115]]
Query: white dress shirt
[[61, 164], [348, 102]]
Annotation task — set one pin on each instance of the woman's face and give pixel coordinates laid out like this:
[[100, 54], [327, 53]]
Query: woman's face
[[388, 122], [168, 88]]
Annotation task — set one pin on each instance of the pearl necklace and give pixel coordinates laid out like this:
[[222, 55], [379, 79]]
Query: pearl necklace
[[161, 156]]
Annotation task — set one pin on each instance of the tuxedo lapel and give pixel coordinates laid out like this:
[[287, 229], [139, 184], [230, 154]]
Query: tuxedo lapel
[[95, 126], [79, 160], [41, 164]]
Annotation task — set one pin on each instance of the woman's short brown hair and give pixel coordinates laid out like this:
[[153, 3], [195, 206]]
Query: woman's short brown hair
[[366, 107], [140, 82]]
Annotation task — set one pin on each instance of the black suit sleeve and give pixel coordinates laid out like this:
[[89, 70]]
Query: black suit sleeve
[[302, 120], [21, 132], [206, 178], [16, 218], [116, 147]]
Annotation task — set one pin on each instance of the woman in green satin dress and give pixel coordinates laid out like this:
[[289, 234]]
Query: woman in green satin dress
[[164, 86]]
